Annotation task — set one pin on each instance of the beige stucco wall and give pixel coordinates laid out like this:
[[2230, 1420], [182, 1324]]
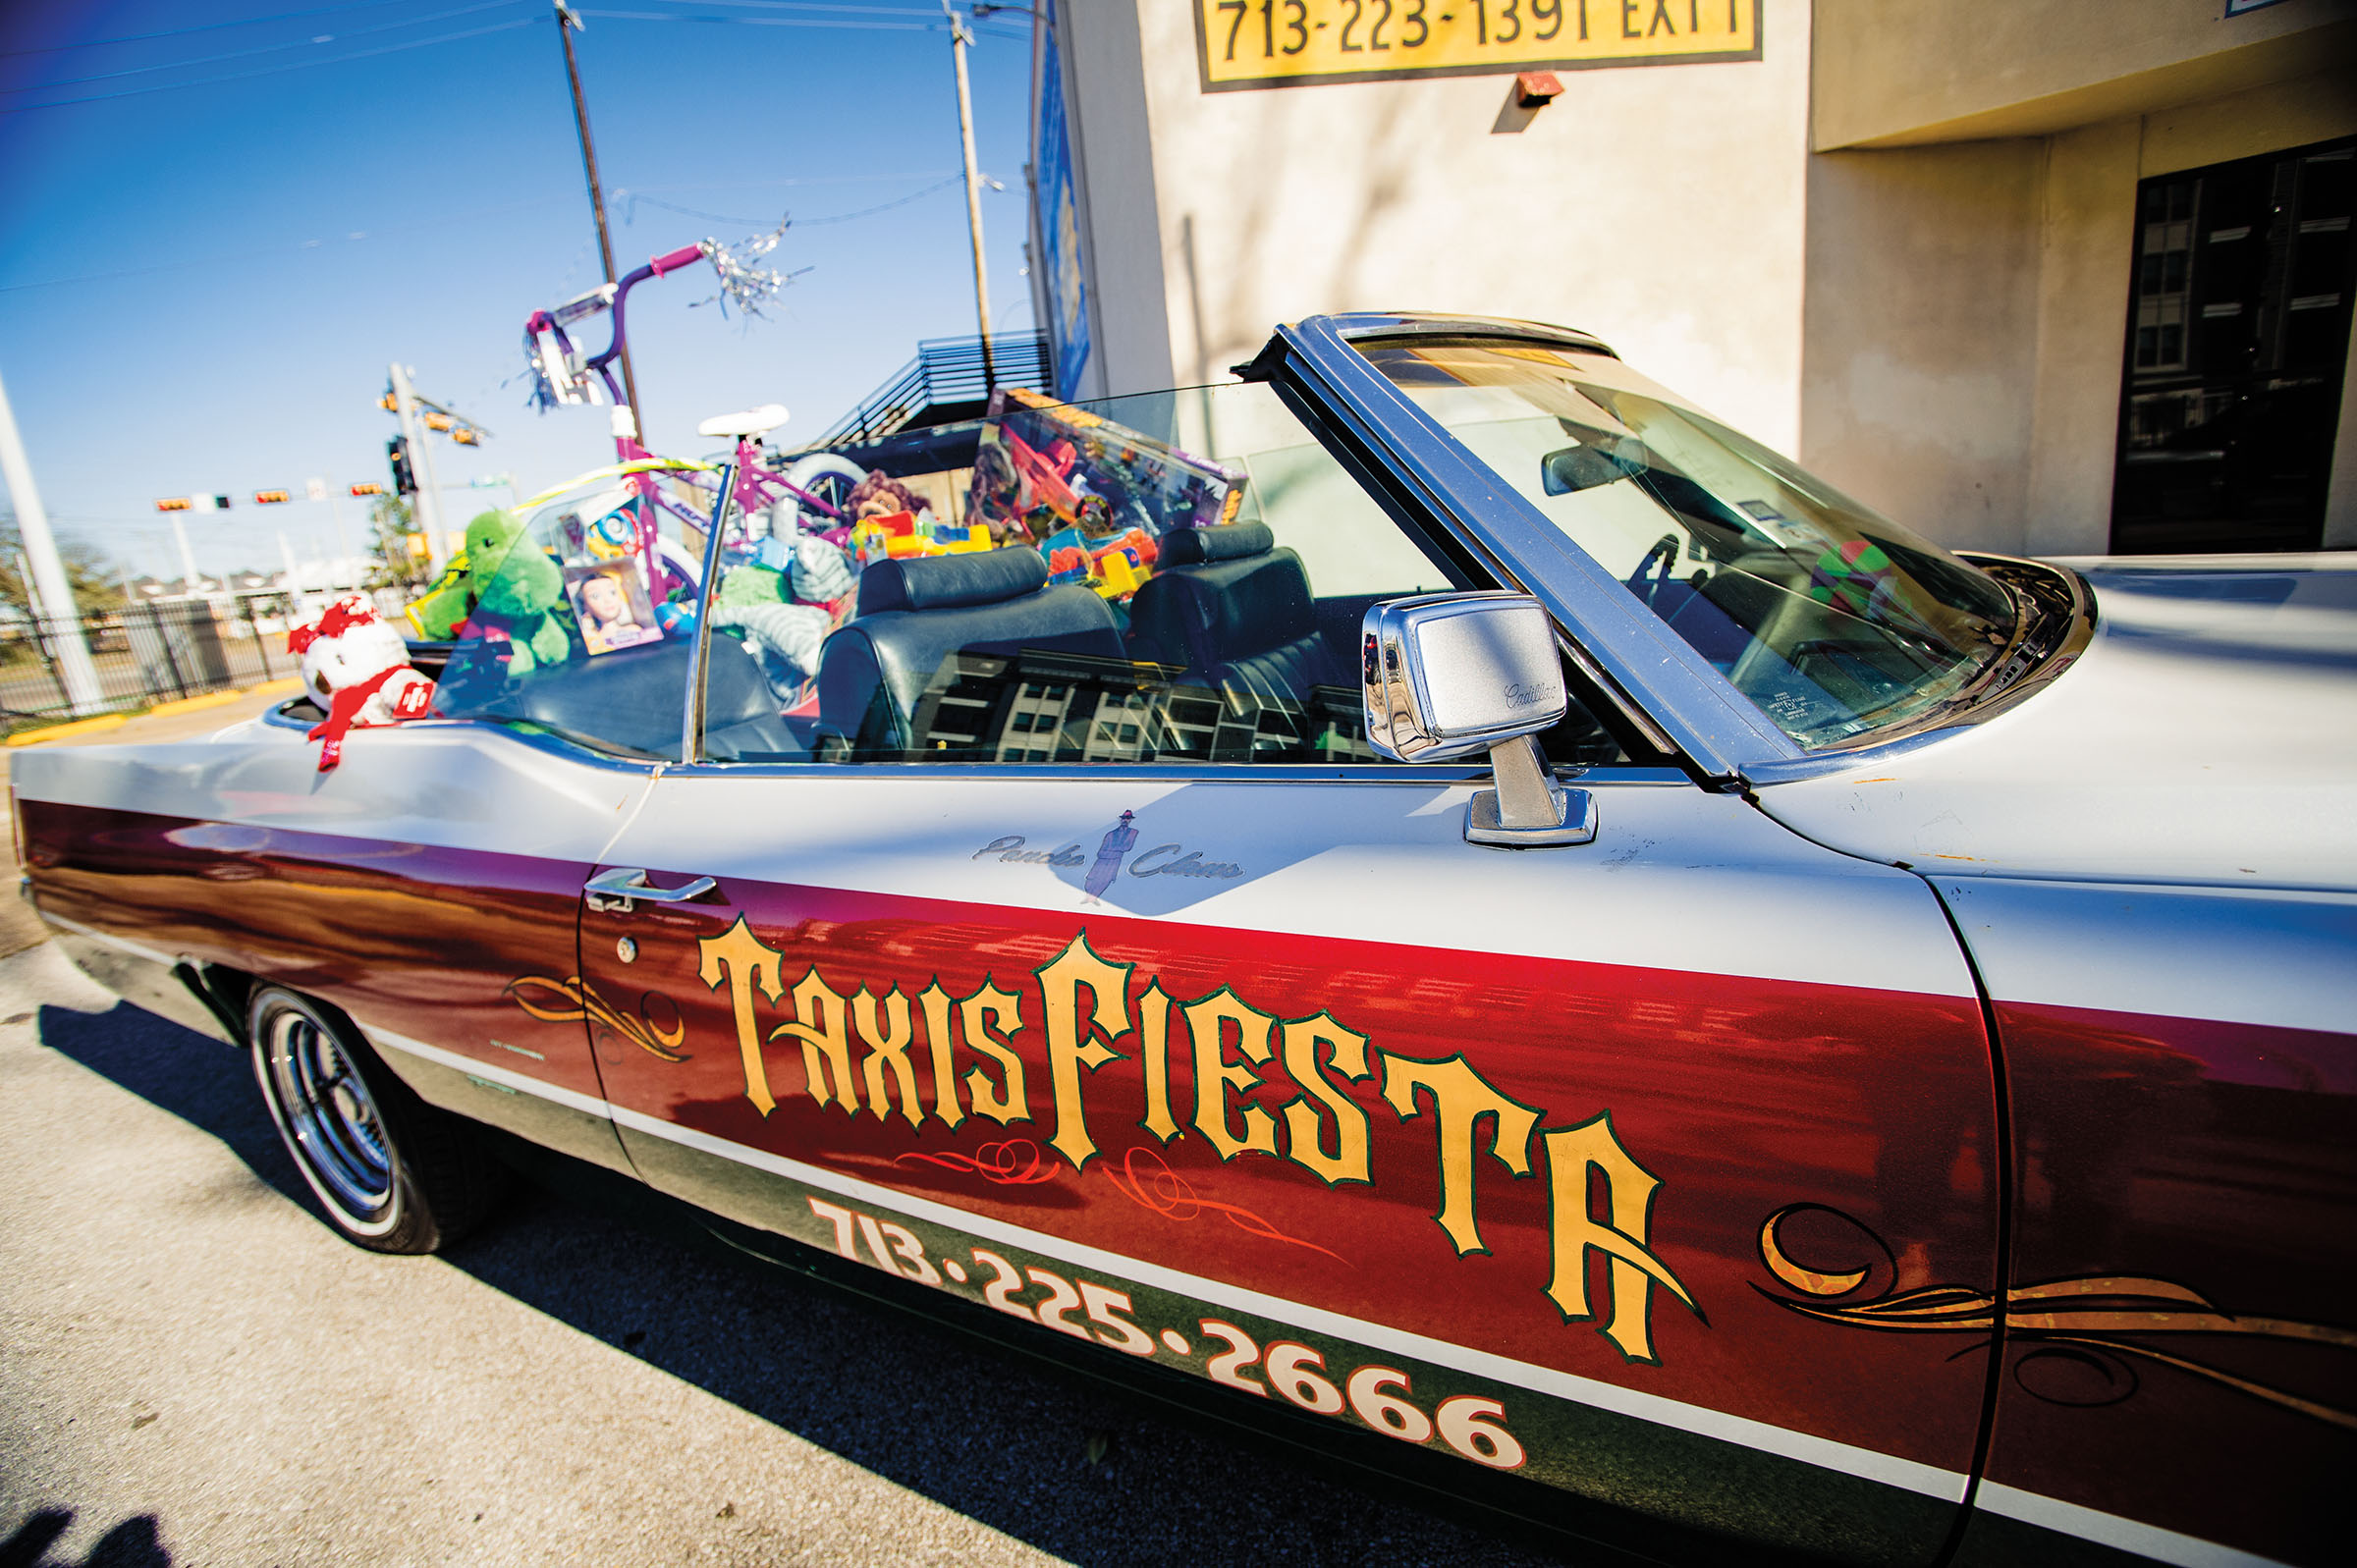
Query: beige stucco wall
[[1660, 207], [1895, 72], [1936, 325], [1921, 331], [1967, 305]]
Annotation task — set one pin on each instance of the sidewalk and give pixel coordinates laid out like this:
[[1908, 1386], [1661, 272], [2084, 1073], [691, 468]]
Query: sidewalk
[[191, 720]]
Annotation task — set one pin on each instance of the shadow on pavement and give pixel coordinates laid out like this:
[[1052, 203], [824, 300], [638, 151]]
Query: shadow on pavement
[[1076, 1467], [132, 1543]]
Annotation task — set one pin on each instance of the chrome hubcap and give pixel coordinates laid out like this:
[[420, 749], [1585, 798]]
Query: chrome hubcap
[[331, 1118]]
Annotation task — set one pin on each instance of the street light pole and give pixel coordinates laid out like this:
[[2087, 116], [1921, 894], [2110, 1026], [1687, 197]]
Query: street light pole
[[413, 435], [960, 37], [47, 574], [569, 22]]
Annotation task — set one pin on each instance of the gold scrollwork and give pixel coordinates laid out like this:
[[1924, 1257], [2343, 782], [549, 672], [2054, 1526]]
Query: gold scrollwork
[[2101, 1314], [580, 1004]]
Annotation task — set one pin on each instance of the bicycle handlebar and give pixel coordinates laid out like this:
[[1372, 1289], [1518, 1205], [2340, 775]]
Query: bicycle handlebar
[[655, 267]]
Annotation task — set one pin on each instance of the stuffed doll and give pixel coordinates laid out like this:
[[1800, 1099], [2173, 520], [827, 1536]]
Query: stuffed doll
[[784, 618], [358, 667], [515, 594]]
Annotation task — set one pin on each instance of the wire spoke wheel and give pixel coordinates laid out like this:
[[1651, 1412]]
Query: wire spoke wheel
[[335, 1126], [393, 1172]]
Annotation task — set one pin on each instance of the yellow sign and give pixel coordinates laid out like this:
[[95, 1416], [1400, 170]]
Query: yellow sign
[[1282, 43]]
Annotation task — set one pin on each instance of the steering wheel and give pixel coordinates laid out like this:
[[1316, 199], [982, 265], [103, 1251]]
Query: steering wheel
[[1664, 550]]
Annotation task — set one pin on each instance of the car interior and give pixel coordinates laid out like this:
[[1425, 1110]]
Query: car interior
[[1218, 645]]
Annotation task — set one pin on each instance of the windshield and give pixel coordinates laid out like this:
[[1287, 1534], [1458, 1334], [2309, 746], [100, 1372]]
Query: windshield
[[1835, 620]]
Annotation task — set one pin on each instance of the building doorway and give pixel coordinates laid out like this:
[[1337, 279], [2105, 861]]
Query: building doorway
[[2238, 340]]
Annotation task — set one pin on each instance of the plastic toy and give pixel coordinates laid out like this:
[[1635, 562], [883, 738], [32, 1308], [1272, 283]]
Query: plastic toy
[[440, 612]]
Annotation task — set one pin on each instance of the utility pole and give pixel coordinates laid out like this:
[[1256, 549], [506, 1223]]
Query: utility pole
[[187, 556], [48, 574], [320, 490], [569, 22], [960, 37], [429, 504]]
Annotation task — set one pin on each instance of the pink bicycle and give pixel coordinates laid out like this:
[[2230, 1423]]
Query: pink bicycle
[[811, 497]]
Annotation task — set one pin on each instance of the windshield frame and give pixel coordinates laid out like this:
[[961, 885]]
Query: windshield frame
[[1722, 736]]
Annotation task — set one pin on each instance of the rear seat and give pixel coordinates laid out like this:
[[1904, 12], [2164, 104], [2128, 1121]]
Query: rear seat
[[1234, 611], [915, 613]]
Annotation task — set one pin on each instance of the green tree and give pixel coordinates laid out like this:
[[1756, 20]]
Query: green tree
[[389, 529], [89, 571]]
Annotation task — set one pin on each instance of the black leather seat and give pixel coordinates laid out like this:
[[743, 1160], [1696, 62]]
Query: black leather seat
[[632, 698], [915, 613], [1234, 612]]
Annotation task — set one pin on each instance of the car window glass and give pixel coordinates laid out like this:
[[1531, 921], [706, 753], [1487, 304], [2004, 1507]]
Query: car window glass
[[578, 619], [1176, 577], [1835, 620]]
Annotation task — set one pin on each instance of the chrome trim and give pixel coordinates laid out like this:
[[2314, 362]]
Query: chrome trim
[[619, 890], [1395, 674], [1423, 777], [1567, 817], [1825, 1453], [1716, 727], [136, 949], [691, 720], [2068, 595], [1440, 324]]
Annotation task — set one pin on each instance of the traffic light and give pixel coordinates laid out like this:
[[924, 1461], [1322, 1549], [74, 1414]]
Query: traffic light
[[436, 421], [175, 504], [387, 404], [466, 437], [398, 451], [367, 490], [268, 498]]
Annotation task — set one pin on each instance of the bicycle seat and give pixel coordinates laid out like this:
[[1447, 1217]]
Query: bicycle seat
[[751, 422]]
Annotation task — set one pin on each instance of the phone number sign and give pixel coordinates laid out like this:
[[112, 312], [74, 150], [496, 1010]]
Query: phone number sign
[[1284, 43]]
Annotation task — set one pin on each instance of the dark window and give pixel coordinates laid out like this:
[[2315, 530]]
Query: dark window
[[2237, 344]]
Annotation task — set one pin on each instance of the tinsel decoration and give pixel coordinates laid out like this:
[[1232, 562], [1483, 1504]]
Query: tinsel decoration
[[744, 281]]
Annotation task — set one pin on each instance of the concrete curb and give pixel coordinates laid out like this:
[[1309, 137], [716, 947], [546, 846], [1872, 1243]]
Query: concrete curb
[[76, 726], [110, 721]]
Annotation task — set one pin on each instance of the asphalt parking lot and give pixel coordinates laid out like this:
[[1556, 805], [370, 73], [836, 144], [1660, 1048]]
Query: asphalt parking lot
[[195, 1370]]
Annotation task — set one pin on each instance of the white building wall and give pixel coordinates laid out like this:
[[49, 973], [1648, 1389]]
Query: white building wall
[[1660, 207]]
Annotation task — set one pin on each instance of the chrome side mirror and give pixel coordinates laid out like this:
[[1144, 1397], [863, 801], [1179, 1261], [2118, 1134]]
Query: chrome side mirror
[[1449, 674]]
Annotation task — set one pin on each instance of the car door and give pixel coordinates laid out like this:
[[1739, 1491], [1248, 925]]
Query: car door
[[1220, 1046]]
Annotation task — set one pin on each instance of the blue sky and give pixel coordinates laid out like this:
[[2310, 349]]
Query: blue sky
[[201, 288]]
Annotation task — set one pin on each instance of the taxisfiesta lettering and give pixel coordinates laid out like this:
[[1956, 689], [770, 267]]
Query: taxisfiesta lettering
[[1084, 1006]]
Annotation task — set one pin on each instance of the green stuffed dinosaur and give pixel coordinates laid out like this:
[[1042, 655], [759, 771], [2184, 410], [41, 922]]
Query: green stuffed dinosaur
[[515, 590]]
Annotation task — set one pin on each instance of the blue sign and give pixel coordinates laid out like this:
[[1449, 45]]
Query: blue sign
[[1060, 230]]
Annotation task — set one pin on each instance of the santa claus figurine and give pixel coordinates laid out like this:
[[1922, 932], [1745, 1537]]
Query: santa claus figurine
[[358, 667]]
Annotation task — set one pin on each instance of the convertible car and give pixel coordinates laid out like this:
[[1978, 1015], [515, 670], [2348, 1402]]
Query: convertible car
[[1511, 920]]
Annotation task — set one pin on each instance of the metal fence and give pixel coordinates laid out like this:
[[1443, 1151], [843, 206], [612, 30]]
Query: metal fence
[[144, 654]]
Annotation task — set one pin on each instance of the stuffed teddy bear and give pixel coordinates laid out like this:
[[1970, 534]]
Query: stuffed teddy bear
[[358, 667]]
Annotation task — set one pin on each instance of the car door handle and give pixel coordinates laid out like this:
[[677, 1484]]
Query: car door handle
[[617, 890]]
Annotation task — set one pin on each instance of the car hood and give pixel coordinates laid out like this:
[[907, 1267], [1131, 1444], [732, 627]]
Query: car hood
[[2207, 735]]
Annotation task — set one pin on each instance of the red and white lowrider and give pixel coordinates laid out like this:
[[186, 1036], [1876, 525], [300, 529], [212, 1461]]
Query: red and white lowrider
[[1530, 928]]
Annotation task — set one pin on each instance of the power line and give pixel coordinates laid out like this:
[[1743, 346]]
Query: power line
[[272, 48], [631, 212], [765, 22], [816, 5], [206, 26], [272, 71]]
